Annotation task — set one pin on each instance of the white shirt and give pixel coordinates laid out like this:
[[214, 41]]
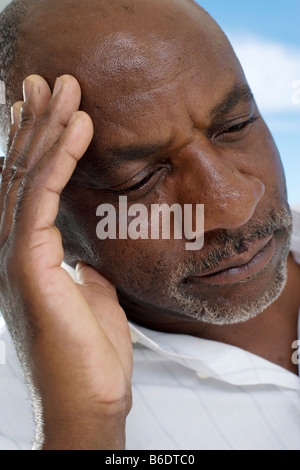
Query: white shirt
[[188, 394]]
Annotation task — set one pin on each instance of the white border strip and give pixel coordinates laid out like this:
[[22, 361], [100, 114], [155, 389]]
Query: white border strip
[[2, 92]]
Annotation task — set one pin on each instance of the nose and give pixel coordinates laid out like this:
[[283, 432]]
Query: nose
[[230, 194]]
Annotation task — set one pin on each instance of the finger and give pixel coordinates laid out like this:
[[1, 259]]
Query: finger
[[59, 110], [87, 276], [15, 120], [37, 94], [2, 162], [25, 115], [38, 205], [102, 297], [50, 117]]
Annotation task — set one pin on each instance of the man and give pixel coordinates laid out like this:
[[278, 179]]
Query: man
[[166, 116]]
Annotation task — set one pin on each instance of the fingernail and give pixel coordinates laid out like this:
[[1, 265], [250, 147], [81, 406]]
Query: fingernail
[[57, 86], [14, 114], [79, 265], [27, 89]]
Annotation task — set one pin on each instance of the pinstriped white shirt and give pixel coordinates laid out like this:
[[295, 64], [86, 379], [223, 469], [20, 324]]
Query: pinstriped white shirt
[[188, 393]]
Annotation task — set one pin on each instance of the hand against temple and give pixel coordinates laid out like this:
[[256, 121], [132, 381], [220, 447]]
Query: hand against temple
[[72, 338]]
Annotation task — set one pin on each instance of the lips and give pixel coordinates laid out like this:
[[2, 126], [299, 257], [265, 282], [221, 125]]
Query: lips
[[241, 267]]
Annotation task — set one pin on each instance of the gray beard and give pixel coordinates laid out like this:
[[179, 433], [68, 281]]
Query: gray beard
[[219, 312]]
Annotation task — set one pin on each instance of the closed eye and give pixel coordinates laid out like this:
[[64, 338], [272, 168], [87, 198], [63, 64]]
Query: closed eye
[[141, 183], [234, 132], [146, 183], [242, 125]]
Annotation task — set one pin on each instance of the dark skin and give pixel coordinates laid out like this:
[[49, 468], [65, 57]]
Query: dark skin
[[185, 98], [270, 335]]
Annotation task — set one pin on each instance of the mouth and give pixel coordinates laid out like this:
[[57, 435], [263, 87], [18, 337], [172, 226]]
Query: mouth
[[240, 267]]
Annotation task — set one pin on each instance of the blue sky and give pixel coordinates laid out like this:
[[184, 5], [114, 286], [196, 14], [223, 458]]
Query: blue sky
[[266, 37], [272, 19]]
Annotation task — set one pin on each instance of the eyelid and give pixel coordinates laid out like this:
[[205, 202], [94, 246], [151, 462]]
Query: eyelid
[[237, 122], [144, 172], [243, 123], [139, 184]]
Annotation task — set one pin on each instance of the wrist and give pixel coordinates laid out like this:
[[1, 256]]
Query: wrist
[[103, 429], [84, 434]]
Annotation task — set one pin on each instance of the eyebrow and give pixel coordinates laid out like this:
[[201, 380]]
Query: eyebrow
[[129, 153], [114, 157], [238, 94]]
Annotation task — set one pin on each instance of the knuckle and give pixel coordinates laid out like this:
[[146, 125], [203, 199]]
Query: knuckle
[[13, 172], [24, 180], [30, 184], [28, 121], [47, 114], [6, 177], [28, 117], [14, 153], [53, 116]]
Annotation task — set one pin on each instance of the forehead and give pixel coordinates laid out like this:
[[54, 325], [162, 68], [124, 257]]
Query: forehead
[[109, 42], [135, 86], [139, 67]]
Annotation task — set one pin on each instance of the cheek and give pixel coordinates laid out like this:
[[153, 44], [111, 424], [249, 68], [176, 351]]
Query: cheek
[[140, 266], [143, 259], [267, 162], [260, 157], [275, 167]]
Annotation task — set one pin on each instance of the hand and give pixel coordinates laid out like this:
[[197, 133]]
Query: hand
[[72, 338]]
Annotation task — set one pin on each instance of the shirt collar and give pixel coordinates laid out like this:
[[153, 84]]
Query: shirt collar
[[220, 361], [215, 360]]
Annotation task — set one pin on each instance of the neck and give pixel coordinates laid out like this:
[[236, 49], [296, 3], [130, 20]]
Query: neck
[[269, 335]]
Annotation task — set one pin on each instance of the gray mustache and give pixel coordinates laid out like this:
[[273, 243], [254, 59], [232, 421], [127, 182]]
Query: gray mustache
[[226, 244]]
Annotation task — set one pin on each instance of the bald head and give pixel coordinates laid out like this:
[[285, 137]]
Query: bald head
[[107, 40]]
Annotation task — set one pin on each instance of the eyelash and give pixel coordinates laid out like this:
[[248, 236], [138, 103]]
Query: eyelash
[[238, 127], [138, 185], [233, 129]]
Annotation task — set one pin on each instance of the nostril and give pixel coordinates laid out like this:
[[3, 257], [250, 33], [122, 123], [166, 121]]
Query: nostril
[[262, 189]]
